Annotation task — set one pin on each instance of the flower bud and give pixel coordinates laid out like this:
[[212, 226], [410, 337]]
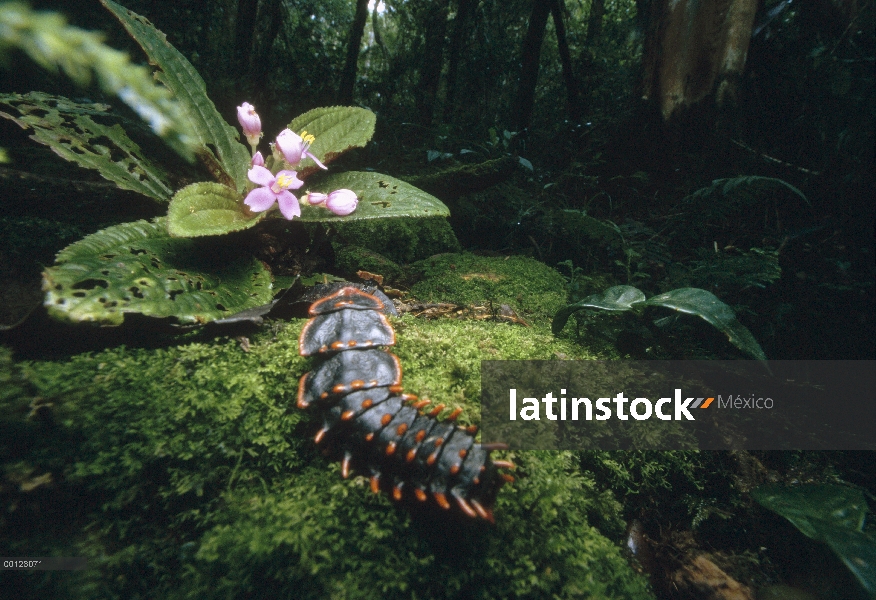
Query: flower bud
[[249, 119], [258, 160], [250, 123], [316, 199], [342, 202]]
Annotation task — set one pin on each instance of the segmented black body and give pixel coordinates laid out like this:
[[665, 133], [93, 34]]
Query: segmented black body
[[372, 423]]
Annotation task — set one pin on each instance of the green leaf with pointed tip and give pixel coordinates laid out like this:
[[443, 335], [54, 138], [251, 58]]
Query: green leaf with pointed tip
[[68, 128], [336, 129], [208, 208], [828, 513], [138, 268], [232, 159], [695, 301], [619, 297], [380, 196]]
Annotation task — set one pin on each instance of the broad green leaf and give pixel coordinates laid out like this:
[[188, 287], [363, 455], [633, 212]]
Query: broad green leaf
[[380, 196], [231, 159], [138, 268], [619, 297], [695, 301], [336, 129], [70, 131], [828, 513], [208, 208]]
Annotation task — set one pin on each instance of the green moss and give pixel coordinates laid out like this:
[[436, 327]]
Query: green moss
[[317, 537], [350, 259], [442, 358], [400, 240], [193, 474], [533, 289]]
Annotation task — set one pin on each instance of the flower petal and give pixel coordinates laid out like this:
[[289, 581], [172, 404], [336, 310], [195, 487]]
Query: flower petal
[[258, 160], [260, 175], [288, 205], [291, 146], [316, 160], [260, 199]]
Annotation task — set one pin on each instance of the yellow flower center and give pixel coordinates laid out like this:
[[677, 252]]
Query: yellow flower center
[[307, 138], [284, 181]]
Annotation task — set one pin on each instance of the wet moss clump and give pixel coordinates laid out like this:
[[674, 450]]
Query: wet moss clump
[[531, 288], [352, 259], [402, 240]]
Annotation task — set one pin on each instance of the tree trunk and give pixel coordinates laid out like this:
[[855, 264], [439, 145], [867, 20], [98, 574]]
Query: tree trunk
[[243, 34], [460, 28], [267, 26], [378, 37], [558, 9], [348, 76], [594, 21], [529, 64], [695, 49], [433, 55]]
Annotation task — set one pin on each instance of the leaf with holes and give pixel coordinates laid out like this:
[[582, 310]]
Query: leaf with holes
[[336, 129], [71, 131], [208, 208], [138, 268], [380, 196], [703, 304], [220, 149]]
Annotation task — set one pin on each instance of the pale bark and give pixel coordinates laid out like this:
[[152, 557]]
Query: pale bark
[[696, 49]]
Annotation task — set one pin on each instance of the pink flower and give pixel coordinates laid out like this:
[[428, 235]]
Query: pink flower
[[250, 123], [294, 147], [274, 188], [341, 202], [258, 160]]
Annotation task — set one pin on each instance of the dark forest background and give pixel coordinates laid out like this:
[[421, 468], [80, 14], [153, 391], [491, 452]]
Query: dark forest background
[[599, 125]]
